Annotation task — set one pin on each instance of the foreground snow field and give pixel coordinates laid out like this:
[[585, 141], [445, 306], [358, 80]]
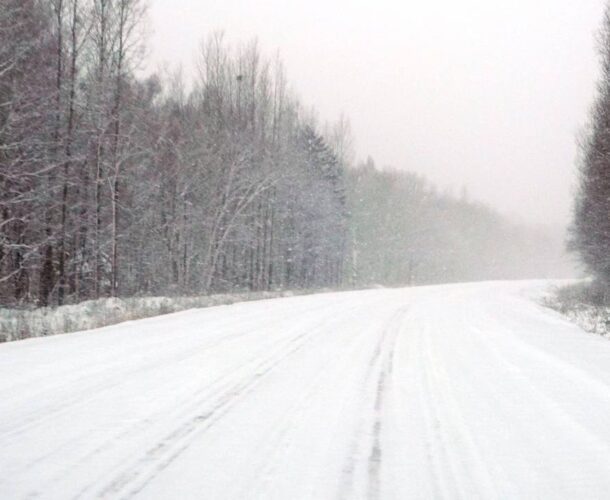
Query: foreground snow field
[[461, 391]]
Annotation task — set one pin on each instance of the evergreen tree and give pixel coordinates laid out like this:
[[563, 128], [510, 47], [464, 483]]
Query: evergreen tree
[[591, 226]]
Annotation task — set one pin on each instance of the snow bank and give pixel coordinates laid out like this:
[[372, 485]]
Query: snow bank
[[17, 324]]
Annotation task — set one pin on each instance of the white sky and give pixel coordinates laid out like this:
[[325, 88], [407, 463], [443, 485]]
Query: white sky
[[487, 94]]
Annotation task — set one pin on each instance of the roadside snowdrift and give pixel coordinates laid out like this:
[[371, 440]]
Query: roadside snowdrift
[[16, 324]]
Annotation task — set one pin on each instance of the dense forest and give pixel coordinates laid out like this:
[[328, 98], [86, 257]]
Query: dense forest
[[118, 184]]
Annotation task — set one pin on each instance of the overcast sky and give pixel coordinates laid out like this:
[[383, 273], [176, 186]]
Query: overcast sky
[[487, 94]]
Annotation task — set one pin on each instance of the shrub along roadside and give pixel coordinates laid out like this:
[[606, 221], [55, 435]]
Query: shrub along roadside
[[586, 303]]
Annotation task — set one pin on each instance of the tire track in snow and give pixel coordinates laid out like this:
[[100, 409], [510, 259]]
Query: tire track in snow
[[342, 363], [379, 370], [150, 366], [208, 394], [384, 380], [135, 478], [63, 405]]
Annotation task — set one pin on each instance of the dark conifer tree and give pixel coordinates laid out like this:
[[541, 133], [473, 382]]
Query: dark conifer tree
[[591, 226]]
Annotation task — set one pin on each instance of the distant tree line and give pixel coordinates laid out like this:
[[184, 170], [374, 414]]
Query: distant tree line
[[403, 231], [117, 185], [591, 227]]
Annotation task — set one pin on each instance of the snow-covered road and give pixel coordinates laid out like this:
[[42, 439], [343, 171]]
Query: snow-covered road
[[462, 391]]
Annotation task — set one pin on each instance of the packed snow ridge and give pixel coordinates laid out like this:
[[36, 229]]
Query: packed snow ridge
[[449, 392]]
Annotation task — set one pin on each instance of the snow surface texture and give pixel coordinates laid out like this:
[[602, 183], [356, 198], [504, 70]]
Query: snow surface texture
[[461, 391]]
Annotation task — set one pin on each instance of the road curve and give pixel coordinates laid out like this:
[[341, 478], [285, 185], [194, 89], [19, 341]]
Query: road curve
[[470, 391]]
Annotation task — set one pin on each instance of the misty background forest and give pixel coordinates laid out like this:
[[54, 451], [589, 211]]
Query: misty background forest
[[115, 183]]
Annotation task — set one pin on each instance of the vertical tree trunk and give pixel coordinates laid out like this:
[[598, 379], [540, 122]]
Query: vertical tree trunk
[[68, 150]]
